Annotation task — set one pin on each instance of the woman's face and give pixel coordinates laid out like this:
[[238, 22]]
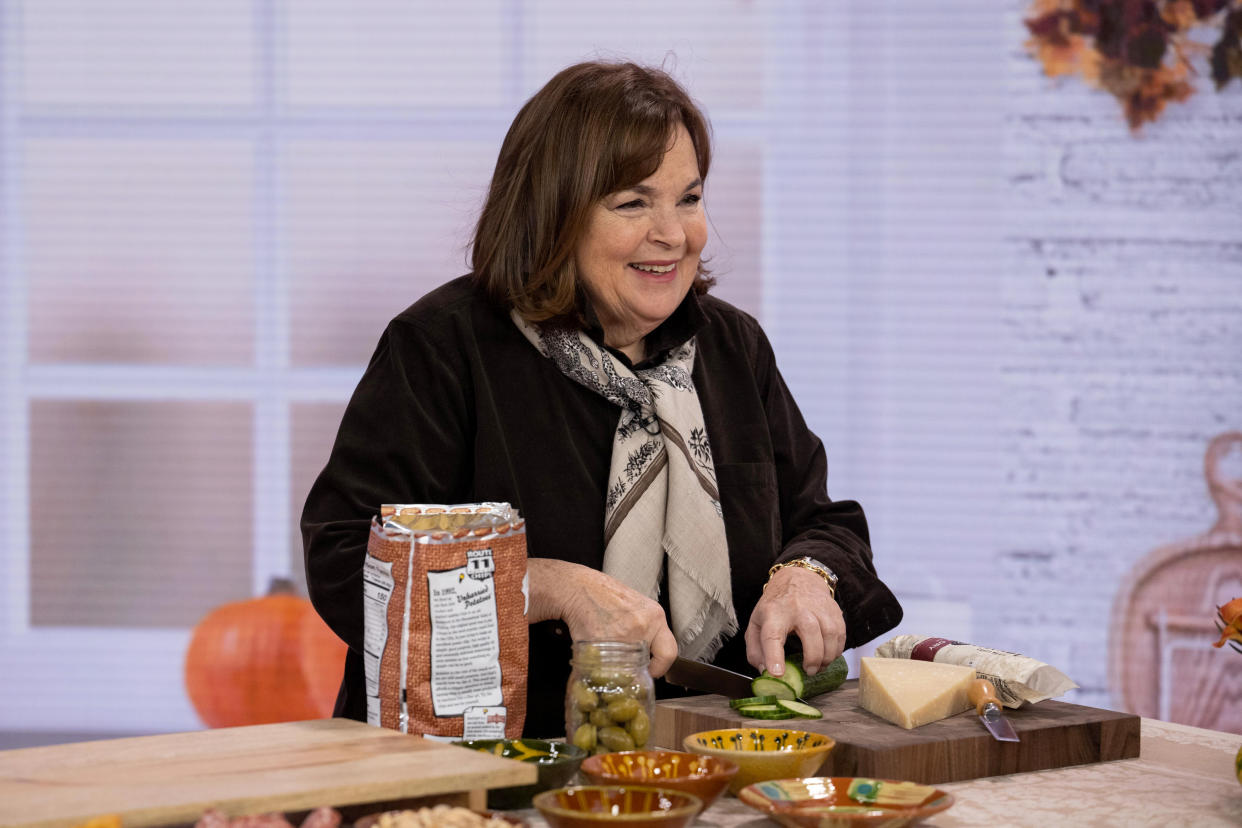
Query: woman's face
[[641, 250]]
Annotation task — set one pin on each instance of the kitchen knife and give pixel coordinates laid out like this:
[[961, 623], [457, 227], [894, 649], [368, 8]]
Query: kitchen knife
[[983, 696], [695, 675]]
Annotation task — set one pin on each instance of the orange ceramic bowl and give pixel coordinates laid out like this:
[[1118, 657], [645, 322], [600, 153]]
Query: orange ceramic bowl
[[763, 753], [704, 776], [594, 806]]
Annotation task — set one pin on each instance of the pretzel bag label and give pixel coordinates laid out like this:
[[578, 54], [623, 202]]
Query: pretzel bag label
[[446, 630]]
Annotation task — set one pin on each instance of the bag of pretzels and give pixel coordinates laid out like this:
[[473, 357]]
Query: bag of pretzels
[[444, 590]]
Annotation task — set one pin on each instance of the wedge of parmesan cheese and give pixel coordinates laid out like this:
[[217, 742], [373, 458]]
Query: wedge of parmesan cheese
[[913, 693]]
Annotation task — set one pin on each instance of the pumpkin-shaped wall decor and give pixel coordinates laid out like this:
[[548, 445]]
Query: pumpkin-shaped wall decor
[[264, 660]]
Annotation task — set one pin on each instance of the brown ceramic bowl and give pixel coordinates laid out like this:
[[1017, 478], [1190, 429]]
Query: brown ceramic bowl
[[595, 806], [704, 776]]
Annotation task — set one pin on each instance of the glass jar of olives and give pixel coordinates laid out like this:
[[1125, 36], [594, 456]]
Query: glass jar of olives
[[610, 701]]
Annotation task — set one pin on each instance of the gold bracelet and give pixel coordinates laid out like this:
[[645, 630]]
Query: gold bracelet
[[813, 565]]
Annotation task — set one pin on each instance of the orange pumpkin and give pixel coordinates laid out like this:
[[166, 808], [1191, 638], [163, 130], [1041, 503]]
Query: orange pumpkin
[[269, 659]]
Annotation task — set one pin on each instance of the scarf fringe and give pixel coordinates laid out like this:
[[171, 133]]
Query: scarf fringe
[[718, 611]]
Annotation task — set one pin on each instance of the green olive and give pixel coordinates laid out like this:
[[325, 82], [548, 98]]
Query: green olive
[[623, 709], [615, 738], [584, 697], [600, 718], [639, 728], [611, 677], [584, 737]]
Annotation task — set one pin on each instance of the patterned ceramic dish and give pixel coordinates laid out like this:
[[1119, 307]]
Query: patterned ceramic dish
[[704, 776], [556, 763], [763, 753], [592, 806], [845, 802]]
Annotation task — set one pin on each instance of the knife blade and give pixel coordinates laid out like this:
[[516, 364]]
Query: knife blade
[[983, 696], [707, 678]]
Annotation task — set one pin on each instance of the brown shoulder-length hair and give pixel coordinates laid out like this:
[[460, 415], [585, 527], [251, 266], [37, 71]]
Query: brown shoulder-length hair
[[594, 129]]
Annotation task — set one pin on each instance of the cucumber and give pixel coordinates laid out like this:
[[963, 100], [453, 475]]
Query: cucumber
[[768, 685], [800, 709], [796, 682], [765, 711], [829, 678], [736, 703]]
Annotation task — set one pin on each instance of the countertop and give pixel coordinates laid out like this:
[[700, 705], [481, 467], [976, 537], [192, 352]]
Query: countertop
[[1184, 776]]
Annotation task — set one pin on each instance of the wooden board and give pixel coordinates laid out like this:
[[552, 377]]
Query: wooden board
[[294, 766], [1053, 734]]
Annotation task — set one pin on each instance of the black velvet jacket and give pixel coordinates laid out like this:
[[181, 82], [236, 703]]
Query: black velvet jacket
[[456, 406]]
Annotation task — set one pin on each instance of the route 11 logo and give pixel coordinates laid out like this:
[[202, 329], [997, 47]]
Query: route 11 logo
[[479, 564]]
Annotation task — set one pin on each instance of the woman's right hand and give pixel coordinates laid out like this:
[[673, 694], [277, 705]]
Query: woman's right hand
[[597, 606]]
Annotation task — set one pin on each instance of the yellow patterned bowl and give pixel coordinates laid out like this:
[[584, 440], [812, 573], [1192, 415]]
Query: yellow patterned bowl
[[704, 776], [763, 753]]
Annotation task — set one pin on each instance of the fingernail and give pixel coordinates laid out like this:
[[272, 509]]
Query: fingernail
[[776, 668]]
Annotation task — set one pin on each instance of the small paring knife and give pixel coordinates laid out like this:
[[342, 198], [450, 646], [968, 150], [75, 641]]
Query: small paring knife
[[983, 696], [707, 678]]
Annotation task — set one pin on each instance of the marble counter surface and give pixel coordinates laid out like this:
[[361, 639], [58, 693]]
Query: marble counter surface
[[1184, 776]]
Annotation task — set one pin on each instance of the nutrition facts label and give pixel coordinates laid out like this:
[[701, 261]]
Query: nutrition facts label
[[377, 586], [465, 637]]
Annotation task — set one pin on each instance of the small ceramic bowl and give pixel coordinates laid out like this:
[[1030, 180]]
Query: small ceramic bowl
[[556, 763], [845, 802], [704, 776], [763, 753], [594, 806]]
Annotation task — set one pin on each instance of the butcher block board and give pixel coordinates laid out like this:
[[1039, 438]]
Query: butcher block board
[[1053, 734], [288, 767]]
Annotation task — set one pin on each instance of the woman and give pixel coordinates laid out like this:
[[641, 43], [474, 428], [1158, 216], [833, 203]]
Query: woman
[[672, 490]]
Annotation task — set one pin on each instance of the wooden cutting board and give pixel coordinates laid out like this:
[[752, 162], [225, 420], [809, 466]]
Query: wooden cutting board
[[1053, 734], [294, 766]]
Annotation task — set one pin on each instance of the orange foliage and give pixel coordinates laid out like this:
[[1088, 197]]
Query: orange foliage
[[1137, 50], [1231, 615], [1061, 57], [1157, 88]]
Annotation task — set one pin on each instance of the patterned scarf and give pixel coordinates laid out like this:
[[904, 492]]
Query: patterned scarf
[[662, 498]]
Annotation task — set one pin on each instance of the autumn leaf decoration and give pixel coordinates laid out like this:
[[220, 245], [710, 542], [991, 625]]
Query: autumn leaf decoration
[[1138, 50]]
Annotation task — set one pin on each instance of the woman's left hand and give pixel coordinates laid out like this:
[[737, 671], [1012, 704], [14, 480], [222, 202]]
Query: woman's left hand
[[796, 600]]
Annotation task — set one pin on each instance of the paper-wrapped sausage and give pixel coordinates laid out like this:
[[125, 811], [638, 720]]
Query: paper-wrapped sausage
[[1018, 678], [445, 620]]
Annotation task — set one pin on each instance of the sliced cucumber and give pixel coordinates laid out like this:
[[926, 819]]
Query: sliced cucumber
[[768, 685], [736, 703], [800, 709], [765, 711]]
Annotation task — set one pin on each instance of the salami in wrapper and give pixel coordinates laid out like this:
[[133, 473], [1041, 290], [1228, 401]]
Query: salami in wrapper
[[445, 618], [1017, 678]]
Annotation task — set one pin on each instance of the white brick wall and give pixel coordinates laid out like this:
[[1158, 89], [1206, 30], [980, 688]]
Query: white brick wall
[[1122, 311]]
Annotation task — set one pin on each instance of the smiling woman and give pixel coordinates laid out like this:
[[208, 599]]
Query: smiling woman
[[640, 253], [583, 374]]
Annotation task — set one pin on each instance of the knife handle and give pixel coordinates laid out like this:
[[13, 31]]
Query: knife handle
[[981, 693]]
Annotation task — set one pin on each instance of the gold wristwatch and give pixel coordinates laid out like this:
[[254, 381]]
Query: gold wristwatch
[[807, 562]]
